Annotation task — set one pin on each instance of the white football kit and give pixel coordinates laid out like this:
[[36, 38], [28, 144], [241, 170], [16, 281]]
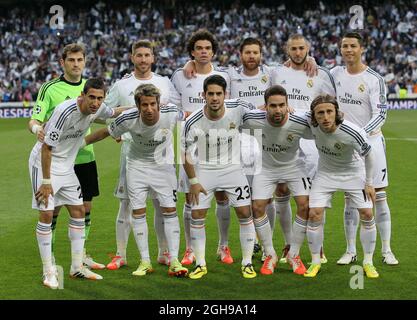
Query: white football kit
[[217, 146], [122, 94], [301, 90], [64, 132], [362, 99], [190, 97], [341, 166], [251, 89], [280, 154], [150, 162]]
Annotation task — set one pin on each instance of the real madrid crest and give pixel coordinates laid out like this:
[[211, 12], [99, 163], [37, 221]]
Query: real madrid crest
[[309, 83], [290, 138], [338, 146], [232, 125], [361, 88], [264, 79]]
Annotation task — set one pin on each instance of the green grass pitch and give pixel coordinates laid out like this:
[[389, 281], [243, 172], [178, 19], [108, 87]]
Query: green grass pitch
[[21, 266]]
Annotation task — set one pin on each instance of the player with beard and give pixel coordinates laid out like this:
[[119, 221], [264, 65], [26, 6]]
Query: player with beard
[[301, 90]]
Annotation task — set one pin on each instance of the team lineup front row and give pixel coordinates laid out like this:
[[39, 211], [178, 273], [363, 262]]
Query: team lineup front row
[[213, 145]]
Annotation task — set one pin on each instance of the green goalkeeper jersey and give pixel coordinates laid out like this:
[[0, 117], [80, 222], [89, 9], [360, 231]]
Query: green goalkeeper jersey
[[51, 94]]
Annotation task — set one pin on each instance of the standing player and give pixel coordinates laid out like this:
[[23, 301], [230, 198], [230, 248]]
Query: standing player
[[150, 167], [361, 94], [122, 93], [54, 182], [249, 82], [212, 132], [341, 146], [69, 86], [281, 133], [202, 47], [301, 90]]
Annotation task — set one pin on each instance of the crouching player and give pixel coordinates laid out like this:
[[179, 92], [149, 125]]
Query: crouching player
[[281, 133], [150, 167], [342, 147]]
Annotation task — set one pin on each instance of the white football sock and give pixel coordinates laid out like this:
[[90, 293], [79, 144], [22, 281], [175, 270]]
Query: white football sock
[[368, 239], [264, 233], [299, 229], [247, 235], [159, 228], [76, 234], [172, 232], [383, 220], [198, 240], [271, 212], [44, 237], [187, 221], [123, 227], [283, 207], [351, 222], [315, 239], [223, 222], [140, 232]]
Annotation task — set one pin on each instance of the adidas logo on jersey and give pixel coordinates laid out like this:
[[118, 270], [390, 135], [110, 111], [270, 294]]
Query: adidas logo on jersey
[[189, 85], [131, 94], [283, 82], [67, 98]]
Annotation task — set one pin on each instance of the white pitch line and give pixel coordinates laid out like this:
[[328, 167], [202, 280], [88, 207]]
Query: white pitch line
[[402, 139]]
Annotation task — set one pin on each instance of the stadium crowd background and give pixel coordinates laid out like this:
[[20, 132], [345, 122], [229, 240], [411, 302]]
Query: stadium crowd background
[[29, 48]]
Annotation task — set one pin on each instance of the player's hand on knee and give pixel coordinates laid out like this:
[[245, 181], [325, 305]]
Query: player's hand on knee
[[42, 195], [195, 190], [370, 193]]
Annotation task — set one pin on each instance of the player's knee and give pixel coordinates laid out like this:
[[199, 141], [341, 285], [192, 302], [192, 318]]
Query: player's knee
[[366, 214], [168, 210], [315, 214], [138, 212], [302, 211], [77, 212], [45, 216], [243, 212], [258, 209], [198, 214]]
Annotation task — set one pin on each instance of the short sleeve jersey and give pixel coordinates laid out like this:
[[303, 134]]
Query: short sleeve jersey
[[64, 132], [280, 145], [150, 145], [301, 89], [51, 94], [216, 142], [190, 91], [249, 88], [340, 152]]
